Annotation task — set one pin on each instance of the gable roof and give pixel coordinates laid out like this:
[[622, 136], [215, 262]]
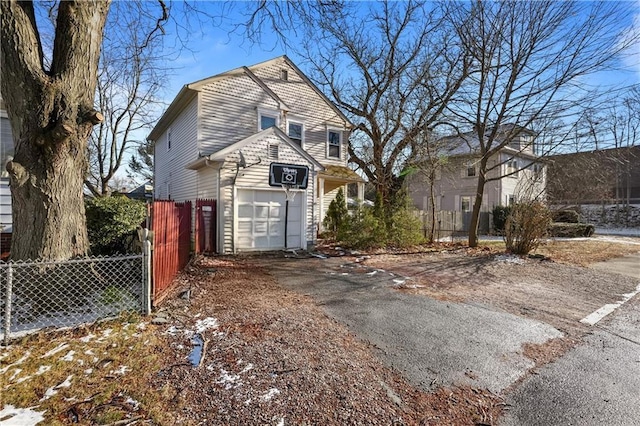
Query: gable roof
[[219, 156], [468, 143], [190, 90]]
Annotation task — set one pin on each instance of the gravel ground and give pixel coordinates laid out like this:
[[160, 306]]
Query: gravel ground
[[272, 357]]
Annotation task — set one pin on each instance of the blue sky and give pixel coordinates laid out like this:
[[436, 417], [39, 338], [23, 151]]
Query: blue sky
[[215, 50]]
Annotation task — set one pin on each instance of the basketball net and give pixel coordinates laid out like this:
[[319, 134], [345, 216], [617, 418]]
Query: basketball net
[[289, 191]]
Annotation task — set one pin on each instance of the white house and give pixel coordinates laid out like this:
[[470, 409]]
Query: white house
[[515, 172], [6, 152], [220, 136]]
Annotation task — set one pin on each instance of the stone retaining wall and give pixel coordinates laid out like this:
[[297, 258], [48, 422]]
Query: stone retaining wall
[[608, 215]]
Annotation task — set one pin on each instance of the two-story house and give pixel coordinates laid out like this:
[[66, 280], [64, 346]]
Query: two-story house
[[221, 137], [515, 173]]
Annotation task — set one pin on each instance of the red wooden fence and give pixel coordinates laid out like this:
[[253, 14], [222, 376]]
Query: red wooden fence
[[171, 224], [205, 226]]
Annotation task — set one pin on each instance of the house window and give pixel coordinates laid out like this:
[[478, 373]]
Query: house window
[[471, 170], [295, 133], [538, 171], [465, 204], [168, 139], [267, 121], [333, 141], [511, 200], [284, 75], [512, 168], [273, 151]]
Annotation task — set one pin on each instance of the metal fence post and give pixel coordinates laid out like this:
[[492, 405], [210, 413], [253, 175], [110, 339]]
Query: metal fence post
[[7, 305], [146, 272]]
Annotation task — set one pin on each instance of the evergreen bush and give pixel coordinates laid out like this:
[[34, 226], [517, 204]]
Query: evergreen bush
[[112, 223]]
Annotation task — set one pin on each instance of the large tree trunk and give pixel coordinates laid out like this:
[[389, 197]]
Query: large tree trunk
[[477, 204], [51, 114]]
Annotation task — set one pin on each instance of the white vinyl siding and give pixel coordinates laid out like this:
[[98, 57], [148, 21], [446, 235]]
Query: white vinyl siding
[[256, 177], [229, 111], [306, 104], [170, 174]]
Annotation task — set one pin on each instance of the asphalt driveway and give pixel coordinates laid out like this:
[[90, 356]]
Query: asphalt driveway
[[432, 342]]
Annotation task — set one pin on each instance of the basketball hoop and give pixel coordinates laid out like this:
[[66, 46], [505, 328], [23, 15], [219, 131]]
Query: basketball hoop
[[289, 190]]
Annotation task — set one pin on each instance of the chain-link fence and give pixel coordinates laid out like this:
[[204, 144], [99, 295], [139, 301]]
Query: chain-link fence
[[43, 294]]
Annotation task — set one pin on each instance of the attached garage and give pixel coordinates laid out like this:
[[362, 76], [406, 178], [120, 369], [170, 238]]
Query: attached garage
[[261, 220]]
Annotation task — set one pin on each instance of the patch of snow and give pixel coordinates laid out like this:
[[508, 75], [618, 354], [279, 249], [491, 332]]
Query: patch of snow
[[509, 258], [68, 356], [270, 394], [87, 338], [247, 402], [15, 373], [399, 281], [54, 389], [18, 362], [247, 368], [88, 371], [628, 232], [20, 416], [172, 331], [89, 352], [121, 371], [344, 273], [141, 326], [43, 369], [372, 273], [61, 347], [229, 380], [133, 403], [281, 422], [206, 324], [318, 255]]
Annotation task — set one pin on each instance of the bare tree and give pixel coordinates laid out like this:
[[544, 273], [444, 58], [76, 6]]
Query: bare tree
[[131, 71], [49, 95], [529, 60], [391, 67], [141, 163]]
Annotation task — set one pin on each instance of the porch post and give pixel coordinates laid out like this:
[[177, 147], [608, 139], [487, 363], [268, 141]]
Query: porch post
[[320, 202], [361, 192]]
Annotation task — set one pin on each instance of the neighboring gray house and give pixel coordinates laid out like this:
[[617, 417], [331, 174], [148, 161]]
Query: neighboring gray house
[[6, 152], [456, 182], [220, 135]]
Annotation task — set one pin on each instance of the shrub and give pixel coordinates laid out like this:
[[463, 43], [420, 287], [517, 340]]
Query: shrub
[[571, 230], [565, 216], [363, 230], [336, 215], [500, 214], [404, 227], [112, 223], [526, 225]]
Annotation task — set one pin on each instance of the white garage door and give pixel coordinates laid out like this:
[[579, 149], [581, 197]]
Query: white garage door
[[261, 220]]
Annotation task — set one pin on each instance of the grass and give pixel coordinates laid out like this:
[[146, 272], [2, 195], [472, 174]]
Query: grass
[[581, 253], [107, 365]]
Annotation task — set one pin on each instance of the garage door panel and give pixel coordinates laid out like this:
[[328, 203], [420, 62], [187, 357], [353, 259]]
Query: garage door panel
[[260, 222]]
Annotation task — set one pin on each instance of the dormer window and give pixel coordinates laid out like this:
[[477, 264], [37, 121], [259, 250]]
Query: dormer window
[[267, 119], [334, 143], [471, 170]]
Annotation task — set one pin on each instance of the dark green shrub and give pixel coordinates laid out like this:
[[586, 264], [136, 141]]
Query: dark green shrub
[[363, 230], [500, 214], [565, 216], [336, 215], [525, 227], [112, 223], [571, 230]]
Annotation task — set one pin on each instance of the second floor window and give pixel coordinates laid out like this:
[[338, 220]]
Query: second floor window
[[333, 140], [471, 170], [512, 168], [295, 133], [267, 121]]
